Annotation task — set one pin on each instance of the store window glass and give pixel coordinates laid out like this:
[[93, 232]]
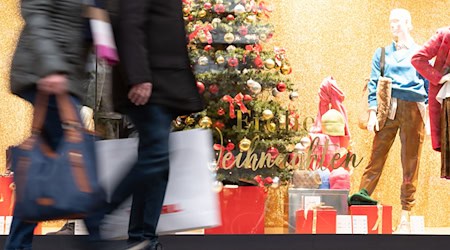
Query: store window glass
[[287, 86]]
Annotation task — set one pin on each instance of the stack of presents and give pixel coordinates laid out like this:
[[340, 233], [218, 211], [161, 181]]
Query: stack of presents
[[7, 197], [318, 196]]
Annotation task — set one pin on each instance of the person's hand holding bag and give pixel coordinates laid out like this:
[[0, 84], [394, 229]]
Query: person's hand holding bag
[[372, 124]]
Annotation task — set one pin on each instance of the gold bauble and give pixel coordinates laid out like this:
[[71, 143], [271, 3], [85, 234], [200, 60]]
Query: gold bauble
[[220, 60], [272, 126], [229, 37], [285, 69], [250, 18], [267, 114], [263, 37], [205, 122], [202, 13], [244, 144], [189, 120], [202, 37], [186, 10], [269, 63]]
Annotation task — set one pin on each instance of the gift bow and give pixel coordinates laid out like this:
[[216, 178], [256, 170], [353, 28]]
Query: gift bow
[[379, 223], [239, 100], [222, 149], [261, 182], [205, 29]]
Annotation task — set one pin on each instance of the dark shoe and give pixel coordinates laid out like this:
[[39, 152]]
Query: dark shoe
[[154, 245], [67, 229]]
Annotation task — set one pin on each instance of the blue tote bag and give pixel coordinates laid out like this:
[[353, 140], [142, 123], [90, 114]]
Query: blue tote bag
[[59, 184]]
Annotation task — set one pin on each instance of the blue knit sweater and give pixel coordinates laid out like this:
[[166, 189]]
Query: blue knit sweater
[[407, 84]]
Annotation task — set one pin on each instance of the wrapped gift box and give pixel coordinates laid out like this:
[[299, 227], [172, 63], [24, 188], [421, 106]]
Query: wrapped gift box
[[316, 221], [6, 195], [242, 211], [302, 198], [379, 218]]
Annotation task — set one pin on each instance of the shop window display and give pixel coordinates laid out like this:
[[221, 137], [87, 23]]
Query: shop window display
[[268, 70]]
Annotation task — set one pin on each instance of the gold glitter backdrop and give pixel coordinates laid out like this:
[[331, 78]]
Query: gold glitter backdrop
[[338, 38], [322, 38]]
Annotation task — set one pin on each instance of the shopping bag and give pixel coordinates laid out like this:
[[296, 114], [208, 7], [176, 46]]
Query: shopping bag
[[58, 184], [190, 201]]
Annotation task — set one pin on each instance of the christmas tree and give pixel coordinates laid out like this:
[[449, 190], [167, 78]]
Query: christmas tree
[[244, 84]]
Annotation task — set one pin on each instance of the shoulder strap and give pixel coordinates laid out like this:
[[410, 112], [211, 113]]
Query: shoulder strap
[[382, 60]]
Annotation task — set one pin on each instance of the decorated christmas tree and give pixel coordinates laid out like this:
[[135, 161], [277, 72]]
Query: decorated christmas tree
[[245, 84]]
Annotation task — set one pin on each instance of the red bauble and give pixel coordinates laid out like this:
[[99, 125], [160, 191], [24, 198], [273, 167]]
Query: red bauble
[[230, 17], [213, 89], [294, 158], [208, 47], [233, 62], [191, 18], [207, 6], [243, 30], [258, 62], [221, 111], [281, 86], [219, 125], [273, 152], [200, 87], [247, 98]]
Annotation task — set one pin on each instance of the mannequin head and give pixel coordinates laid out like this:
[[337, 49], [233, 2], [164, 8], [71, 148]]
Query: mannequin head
[[400, 22]]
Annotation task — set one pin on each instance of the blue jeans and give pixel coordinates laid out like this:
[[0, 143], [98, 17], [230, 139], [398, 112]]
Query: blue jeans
[[148, 177], [21, 232]]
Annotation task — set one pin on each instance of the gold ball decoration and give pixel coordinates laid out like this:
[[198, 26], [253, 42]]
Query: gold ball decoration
[[220, 60], [269, 63], [250, 18], [272, 126], [217, 186], [186, 11], [189, 120], [202, 13], [244, 145], [205, 122], [267, 114], [229, 37], [215, 22], [263, 37], [202, 37], [285, 69]]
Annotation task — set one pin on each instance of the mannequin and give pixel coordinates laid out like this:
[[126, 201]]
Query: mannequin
[[439, 76], [406, 114]]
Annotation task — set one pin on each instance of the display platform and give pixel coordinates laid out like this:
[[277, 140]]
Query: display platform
[[270, 242]]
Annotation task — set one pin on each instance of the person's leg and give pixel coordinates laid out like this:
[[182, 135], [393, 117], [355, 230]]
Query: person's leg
[[150, 173], [382, 143], [136, 225]]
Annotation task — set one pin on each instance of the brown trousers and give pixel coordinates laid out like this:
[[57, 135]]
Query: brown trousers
[[410, 123]]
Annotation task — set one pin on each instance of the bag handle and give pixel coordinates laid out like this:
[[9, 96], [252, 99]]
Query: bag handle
[[382, 61], [66, 111]]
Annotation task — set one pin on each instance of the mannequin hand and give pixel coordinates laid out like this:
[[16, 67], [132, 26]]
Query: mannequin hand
[[140, 93], [372, 124], [53, 84], [445, 79]]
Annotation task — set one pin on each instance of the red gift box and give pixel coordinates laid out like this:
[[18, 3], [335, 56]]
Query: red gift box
[[242, 211], [317, 221], [6, 195], [379, 218]]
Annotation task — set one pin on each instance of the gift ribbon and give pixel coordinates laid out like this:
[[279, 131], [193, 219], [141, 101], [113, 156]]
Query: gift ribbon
[[379, 223], [12, 186], [206, 30], [222, 149], [239, 100]]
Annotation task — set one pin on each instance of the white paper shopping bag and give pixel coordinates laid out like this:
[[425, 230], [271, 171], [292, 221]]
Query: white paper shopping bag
[[190, 201]]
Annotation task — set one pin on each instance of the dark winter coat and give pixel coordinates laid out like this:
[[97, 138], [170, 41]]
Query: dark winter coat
[[151, 41], [52, 41]]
